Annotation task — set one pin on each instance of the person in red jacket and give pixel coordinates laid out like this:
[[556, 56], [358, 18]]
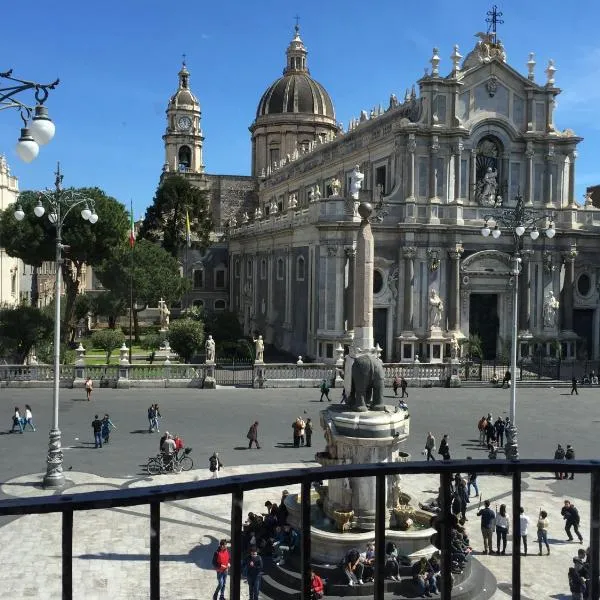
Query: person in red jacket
[[221, 562], [316, 586]]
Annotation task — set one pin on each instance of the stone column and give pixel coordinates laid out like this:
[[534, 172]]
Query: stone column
[[269, 285], [363, 298], [566, 301], [351, 256], [549, 177], [433, 151], [525, 291], [529, 153], [473, 179], [457, 170], [411, 146], [288, 289], [454, 296], [573, 158], [409, 276]]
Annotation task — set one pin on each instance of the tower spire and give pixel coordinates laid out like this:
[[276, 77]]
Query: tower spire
[[296, 53]]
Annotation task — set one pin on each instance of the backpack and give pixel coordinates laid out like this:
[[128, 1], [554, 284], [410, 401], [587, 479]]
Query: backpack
[[213, 466]]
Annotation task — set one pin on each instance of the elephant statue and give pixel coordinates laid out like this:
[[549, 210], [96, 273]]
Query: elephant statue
[[367, 387]]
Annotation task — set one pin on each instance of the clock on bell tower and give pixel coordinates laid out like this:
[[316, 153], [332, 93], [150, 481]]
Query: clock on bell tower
[[183, 137]]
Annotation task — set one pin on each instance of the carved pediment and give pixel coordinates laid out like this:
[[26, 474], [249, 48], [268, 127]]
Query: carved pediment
[[486, 262]]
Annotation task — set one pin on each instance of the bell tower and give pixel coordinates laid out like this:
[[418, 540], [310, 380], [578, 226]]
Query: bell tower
[[183, 137]]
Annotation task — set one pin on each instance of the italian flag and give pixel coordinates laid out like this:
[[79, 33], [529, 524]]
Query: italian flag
[[132, 228]]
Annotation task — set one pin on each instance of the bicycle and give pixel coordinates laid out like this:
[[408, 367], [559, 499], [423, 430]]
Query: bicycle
[[176, 463]]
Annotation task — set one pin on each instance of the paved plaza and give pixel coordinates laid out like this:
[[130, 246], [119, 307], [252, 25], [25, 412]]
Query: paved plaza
[[111, 547]]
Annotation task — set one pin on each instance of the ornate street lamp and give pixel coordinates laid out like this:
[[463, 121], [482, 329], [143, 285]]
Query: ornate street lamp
[[518, 221], [59, 203], [38, 129]]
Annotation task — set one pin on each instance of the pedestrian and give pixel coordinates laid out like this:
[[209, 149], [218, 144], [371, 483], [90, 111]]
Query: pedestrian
[[523, 528], [221, 562], [302, 430], [403, 386], [157, 416], [430, 446], [574, 386], [542, 532], [89, 386], [571, 516], [490, 432], [487, 526], [28, 420], [502, 527], [481, 425], [569, 455], [559, 454], [97, 427], [324, 391], [396, 385], [254, 567], [296, 433], [472, 482], [151, 418], [499, 426], [316, 586], [308, 428], [16, 420], [463, 498], [344, 396], [214, 466], [107, 427], [252, 435], [444, 448], [506, 380]]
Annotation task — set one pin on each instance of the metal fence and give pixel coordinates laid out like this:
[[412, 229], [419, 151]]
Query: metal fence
[[238, 485]]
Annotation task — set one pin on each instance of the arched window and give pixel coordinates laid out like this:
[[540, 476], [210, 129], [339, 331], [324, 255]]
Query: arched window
[[300, 268], [185, 158], [280, 268], [220, 304]]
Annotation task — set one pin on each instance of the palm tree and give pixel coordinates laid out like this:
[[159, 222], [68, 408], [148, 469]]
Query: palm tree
[[473, 346]]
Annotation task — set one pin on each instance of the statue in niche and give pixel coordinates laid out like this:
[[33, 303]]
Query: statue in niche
[[436, 308], [259, 347], [489, 187], [317, 193], [210, 349], [551, 306], [336, 186]]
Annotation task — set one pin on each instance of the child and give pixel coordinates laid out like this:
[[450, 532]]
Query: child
[[215, 465]]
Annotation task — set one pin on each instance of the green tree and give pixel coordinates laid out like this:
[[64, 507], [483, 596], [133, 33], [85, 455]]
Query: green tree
[[155, 275], [165, 220], [186, 337], [108, 340], [109, 305], [472, 346], [33, 240], [21, 329]]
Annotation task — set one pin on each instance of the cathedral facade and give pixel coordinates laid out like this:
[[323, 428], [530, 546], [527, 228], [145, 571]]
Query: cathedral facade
[[471, 138]]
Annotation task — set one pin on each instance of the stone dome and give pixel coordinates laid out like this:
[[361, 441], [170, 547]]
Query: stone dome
[[296, 92]]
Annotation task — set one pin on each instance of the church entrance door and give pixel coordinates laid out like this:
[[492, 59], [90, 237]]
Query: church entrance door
[[380, 329], [484, 322]]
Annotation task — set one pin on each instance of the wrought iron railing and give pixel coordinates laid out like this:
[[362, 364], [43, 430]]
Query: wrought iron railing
[[238, 485]]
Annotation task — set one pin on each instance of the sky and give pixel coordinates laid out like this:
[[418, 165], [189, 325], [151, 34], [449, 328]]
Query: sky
[[118, 63]]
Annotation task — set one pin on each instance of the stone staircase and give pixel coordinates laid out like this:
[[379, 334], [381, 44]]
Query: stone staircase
[[283, 582]]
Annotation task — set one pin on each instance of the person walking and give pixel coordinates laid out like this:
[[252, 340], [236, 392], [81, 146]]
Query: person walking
[[324, 391], [487, 526], [252, 436], [396, 385], [473, 482], [89, 387], [571, 516], [214, 466], [430, 446], [574, 386], [221, 562], [107, 427], [502, 527], [403, 386], [499, 426], [308, 429], [542, 532], [569, 455], [296, 433], [16, 420], [481, 425], [151, 418], [97, 428], [344, 398], [254, 568], [302, 430], [444, 448], [157, 416], [559, 454], [28, 419], [523, 529]]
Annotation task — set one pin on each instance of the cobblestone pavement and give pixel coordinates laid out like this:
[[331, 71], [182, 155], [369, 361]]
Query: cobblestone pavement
[[111, 547]]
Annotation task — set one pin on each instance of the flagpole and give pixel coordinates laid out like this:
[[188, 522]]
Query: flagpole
[[131, 286]]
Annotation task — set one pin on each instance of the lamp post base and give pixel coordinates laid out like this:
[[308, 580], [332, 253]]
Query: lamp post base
[[511, 448], [54, 477]]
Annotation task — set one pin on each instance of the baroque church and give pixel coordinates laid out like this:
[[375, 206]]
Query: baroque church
[[471, 138]]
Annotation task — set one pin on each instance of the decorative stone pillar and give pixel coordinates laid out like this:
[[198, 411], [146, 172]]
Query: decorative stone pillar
[[525, 292], [411, 146], [434, 200], [473, 178], [363, 299], [572, 159], [409, 255], [529, 153], [550, 163], [351, 256], [458, 148], [454, 297], [568, 290], [80, 365], [288, 289]]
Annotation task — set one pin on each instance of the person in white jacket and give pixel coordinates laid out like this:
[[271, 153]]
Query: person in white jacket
[[502, 527], [28, 418]]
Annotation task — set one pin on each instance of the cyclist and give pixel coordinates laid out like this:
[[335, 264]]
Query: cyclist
[[168, 451]]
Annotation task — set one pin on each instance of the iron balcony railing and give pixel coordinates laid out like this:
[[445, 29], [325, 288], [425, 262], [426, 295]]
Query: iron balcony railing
[[236, 486]]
